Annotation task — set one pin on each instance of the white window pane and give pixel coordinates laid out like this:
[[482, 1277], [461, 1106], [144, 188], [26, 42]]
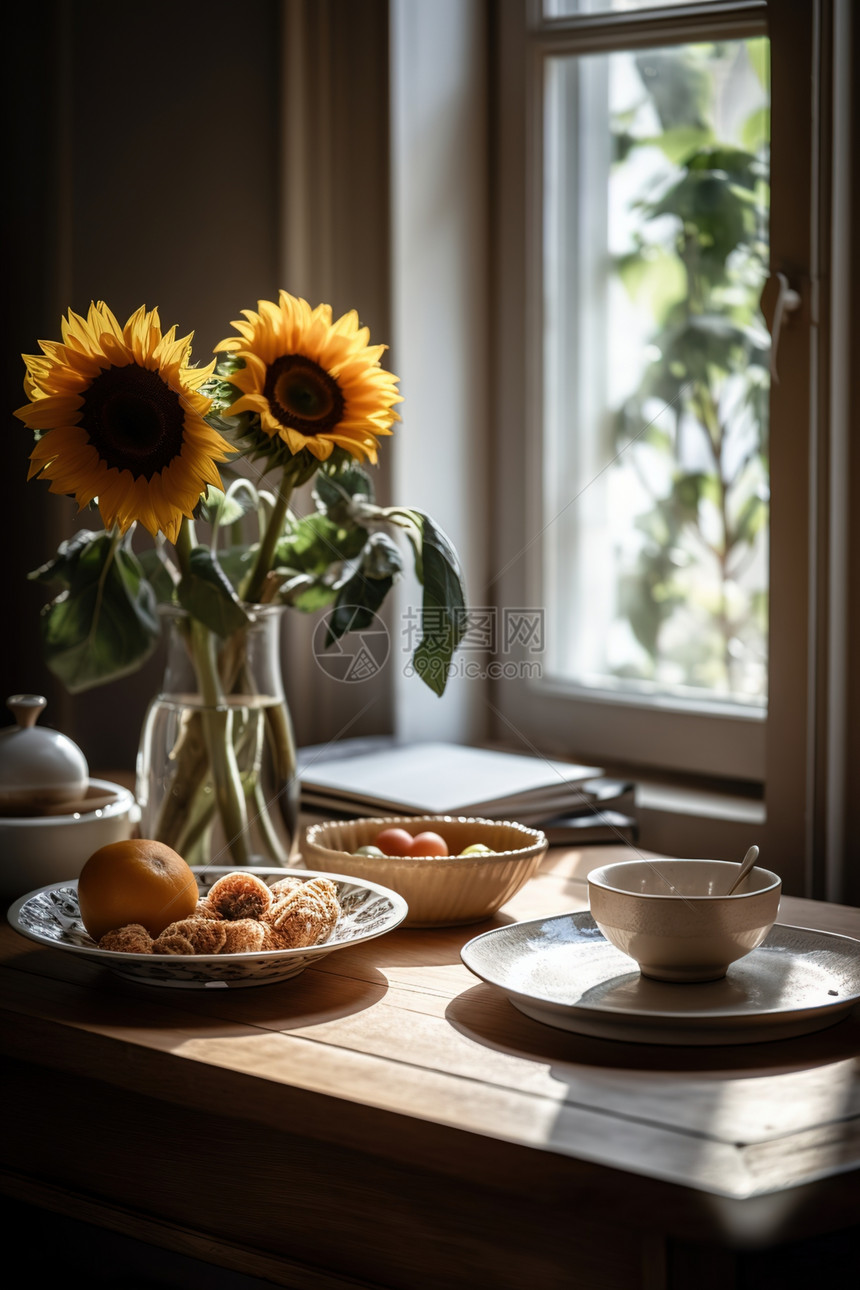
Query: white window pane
[[655, 374]]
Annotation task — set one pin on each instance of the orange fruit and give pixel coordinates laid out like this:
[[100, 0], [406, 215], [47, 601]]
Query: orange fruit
[[135, 881], [428, 844], [394, 842]]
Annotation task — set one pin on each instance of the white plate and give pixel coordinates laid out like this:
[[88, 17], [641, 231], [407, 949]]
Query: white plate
[[563, 972], [51, 916]]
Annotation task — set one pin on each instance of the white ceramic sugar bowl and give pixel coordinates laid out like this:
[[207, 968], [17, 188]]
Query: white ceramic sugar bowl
[[39, 767], [53, 816]]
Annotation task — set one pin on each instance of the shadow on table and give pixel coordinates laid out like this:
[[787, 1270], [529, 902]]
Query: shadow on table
[[313, 997], [487, 1016], [431, 946], [746, 1126]]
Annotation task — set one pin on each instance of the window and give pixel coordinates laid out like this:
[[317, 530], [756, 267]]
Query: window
[[655, 373], [661, 498]]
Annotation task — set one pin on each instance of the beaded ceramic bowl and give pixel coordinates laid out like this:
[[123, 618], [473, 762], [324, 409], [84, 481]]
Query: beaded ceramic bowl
[[441, 891]]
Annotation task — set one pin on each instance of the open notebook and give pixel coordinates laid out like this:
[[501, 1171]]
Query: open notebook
[[378, 777]]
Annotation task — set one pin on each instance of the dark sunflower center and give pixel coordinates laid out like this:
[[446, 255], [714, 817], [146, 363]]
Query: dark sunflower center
[[134, 420], [302, 395]]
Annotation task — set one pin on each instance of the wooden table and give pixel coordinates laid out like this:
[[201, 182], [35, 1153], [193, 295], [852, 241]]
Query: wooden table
[[385, 1119]]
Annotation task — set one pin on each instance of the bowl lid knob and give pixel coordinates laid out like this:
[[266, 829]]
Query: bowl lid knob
[[26, 708]]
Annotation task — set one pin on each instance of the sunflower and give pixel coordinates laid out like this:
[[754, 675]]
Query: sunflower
[[314, 384], [119, 419]]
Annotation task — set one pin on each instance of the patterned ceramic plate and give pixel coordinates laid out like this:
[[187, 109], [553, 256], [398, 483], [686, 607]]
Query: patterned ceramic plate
[[51, 917]]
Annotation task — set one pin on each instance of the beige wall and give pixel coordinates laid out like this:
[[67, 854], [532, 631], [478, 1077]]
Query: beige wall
[[146, 171], [146, 148]]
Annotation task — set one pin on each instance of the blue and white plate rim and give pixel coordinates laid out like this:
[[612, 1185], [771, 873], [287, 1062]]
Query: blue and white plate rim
[[399, 911]]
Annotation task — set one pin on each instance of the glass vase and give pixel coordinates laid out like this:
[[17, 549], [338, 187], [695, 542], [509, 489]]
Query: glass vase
[[216, 769]]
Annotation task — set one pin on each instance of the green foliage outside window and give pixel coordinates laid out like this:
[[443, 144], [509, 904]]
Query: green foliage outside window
[[698, 264]]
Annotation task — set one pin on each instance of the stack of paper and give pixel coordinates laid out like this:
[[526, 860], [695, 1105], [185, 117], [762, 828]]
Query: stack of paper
[[373, 777]]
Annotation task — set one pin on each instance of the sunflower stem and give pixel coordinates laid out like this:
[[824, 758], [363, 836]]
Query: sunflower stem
[[253, 586], [184, 544], [218, 733]]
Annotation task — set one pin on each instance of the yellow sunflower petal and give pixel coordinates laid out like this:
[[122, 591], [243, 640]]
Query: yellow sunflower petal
[[248, 379], [320, 448], [294, 441], [312, 382], [121, 419], [51, 411], [103, 322], [77, 333], [251, 403]]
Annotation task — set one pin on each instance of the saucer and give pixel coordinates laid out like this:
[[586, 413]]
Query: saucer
[[562, 972]]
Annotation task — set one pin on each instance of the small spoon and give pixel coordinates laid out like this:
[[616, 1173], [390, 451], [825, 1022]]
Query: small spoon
[[747, 863]]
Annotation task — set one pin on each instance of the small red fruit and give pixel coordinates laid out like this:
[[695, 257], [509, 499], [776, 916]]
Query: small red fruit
[[394, 842], [429, 844]]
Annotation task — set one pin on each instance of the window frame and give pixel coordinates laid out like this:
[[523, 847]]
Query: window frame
[[775, 752]]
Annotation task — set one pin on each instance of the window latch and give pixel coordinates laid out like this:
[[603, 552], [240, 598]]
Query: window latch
[[778, 298]]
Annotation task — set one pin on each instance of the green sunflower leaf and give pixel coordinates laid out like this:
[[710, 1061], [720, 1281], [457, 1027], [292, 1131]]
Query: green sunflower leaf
[[303, 593], [105, 624], [158, 574], [236, 563], [227, 508], [361, 594], [316, 542], [206, 593], [443, 605], [334, 493], [356, 605], [381, 557], [61, 568]]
